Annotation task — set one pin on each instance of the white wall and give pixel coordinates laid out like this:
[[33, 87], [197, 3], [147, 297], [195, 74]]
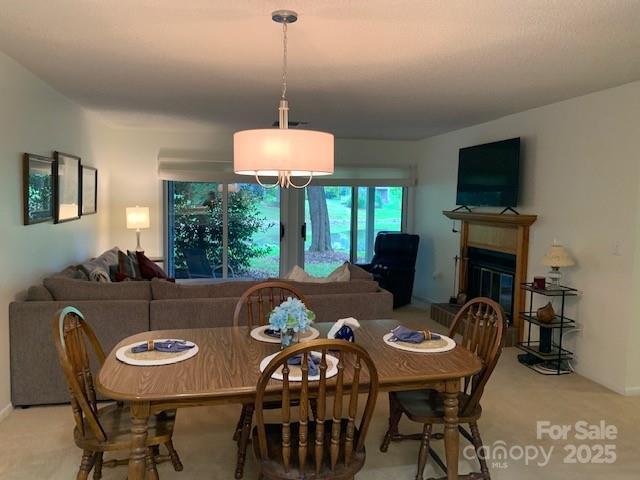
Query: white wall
[[581, 176], [36, 119]]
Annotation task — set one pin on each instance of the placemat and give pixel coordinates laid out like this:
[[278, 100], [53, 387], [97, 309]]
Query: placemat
[[258, 334], [295, 371], [430, 346], [154, 357]]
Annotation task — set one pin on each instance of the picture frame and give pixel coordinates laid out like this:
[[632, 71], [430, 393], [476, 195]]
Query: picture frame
[[67, 191], [89, 188], [37, 187]]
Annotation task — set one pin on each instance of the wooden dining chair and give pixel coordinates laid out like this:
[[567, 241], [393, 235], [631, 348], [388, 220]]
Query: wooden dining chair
[[331, 446], [481, 324], [257, 303], [107, 428]]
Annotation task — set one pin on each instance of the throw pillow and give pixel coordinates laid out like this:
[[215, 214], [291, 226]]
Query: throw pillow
[[136, 266], [340, 274], [149, 269], [99, 275], [126, 268]]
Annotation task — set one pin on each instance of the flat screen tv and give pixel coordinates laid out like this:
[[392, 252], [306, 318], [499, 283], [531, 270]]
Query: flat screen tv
[[488, 175]]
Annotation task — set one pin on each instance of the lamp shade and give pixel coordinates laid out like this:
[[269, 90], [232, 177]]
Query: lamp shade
[[137, 218], [557, 256], [269, 152]]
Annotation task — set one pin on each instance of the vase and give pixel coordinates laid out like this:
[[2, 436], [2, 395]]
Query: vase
[[288, 337]]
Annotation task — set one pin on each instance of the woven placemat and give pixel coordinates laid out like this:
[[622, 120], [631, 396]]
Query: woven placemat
[[152, 355], [426, 345]]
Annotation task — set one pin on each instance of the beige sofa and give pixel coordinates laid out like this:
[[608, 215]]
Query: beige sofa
[[117, 310]]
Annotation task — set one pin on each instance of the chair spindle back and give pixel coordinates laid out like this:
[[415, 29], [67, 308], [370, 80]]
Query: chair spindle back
[[351, 360], [260, 300], [71, 334], [482, 326]]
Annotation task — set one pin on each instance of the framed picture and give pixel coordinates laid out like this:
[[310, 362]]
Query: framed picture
[[67, 187], [37, 186], [89, 189]]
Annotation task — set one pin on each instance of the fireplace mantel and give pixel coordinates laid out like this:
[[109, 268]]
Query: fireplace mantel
[[492, 218], [506, 233]]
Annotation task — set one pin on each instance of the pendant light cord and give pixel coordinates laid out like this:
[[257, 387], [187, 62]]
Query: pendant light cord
[[284, 61]]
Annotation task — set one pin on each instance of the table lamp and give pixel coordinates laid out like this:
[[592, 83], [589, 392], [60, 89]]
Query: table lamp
[[137, 219], [556, 257]]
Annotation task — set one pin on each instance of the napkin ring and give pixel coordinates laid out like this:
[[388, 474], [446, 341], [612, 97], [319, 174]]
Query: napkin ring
[[427, 335], [150, 345]]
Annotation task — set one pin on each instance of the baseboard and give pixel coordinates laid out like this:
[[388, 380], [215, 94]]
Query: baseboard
[[5, 411], [632, 391]]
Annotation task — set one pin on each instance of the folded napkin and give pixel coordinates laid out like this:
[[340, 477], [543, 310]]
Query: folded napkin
[[343, 329], [270, 332], [312, 362], [404, 334], [169, 346]]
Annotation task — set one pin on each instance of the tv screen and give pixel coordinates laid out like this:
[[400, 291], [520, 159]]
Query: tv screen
[[488, 175]]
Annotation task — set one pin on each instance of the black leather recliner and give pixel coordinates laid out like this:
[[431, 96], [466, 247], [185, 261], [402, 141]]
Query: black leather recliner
[[394, 264]]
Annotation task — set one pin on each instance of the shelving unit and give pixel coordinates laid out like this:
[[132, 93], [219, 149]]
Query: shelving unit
[[557, 354]]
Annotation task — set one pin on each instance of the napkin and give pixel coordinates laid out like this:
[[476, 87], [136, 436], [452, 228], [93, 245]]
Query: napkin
[[404, 334], [169, 346], [312, 362], [350, 322], [270, 332]]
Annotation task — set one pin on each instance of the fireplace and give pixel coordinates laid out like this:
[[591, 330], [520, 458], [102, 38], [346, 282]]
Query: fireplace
[[492, 274]]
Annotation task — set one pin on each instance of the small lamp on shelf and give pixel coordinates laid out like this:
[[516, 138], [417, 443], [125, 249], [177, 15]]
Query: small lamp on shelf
[[137, 219], [557, 257]]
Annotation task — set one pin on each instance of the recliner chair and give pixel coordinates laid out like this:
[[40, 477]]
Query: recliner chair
[[393, 264]]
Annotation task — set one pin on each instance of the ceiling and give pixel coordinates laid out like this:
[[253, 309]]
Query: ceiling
[[361, 69]]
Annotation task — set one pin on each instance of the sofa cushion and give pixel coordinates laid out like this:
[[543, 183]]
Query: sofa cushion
[[69, 289], [163, 290], [38, 293], [358, 273], [356, 286], [340, 274]]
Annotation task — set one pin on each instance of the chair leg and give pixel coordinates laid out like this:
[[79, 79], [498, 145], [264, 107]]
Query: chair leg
[[244, 441], [175, 459], [395, 414], [152, 472], [236, 434], [97, 467], [477, 444], [85, 465], [424, 451]]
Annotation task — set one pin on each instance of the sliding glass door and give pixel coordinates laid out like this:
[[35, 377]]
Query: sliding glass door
[[327, 216], [339, 229], [380, 209], [222, 230]]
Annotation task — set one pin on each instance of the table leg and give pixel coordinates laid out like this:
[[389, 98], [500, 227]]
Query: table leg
[[451, 438], [139, 425]]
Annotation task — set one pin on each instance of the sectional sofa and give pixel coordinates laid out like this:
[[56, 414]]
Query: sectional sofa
[[117, 310]]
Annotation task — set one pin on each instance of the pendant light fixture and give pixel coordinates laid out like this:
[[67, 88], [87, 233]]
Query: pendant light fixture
[[283, 153]]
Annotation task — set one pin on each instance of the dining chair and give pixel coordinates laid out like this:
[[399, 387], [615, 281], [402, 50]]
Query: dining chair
[[481, 324], [106, 428], [257, 303], [331, 446]]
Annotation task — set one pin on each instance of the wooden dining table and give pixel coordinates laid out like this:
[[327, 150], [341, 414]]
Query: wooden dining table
[[226, 370]]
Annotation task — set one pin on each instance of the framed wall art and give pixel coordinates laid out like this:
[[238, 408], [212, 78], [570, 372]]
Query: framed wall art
[[67, 187], [89, 190], [37, 187]]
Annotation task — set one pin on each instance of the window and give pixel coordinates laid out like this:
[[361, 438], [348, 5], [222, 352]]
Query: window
[[222, 230]]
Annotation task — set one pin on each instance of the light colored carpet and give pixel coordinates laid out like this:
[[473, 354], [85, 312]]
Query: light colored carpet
[[37, 443]]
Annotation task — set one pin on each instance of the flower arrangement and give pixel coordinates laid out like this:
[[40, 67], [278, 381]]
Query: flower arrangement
[[290, 318]]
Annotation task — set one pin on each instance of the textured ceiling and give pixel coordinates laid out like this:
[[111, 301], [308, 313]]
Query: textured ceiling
[[369, 69]]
